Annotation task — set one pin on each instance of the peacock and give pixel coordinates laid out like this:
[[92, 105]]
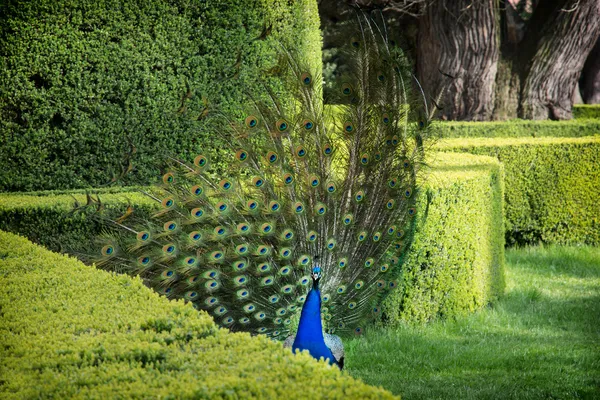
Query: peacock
[[307, 228]]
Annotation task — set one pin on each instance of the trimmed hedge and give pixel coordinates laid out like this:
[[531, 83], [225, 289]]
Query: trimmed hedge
[[517, 128], [69, 330], [456, 263], [552, 186], [586, 111], [81, 81]]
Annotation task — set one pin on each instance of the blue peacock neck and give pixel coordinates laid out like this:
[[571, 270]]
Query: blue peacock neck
[[310, 328]]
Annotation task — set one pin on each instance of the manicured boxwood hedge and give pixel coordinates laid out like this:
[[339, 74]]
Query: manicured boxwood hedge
[[71, 331], [517, 128], [81, 81], [456, 263], [581, 111], [552, 186]]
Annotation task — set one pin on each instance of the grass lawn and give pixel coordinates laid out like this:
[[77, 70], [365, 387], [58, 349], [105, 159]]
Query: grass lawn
[[540, 341]]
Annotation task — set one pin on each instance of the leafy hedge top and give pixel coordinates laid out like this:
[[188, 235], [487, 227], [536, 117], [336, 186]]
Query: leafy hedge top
[[502, 142], [81, 81], [518, 128], [581, 111], [69, 330]]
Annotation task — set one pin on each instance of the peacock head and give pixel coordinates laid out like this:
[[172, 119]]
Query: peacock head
[[316, 274]]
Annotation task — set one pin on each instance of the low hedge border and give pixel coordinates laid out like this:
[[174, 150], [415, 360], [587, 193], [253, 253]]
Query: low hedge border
[[69, 330], [517, 128], [586, 111], [456, 263], [552, 186]]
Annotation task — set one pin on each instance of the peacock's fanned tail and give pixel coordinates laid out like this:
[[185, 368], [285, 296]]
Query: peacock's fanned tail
[[301, 184]]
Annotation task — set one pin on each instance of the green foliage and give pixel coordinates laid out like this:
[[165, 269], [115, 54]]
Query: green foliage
[[539, 341], [461, 226], [586, 111], [517, 128], [456, 262], [552, 186], [83, 81], [69, 330], [45, 218]]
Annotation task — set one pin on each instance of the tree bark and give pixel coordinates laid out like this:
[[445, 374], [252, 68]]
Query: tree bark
[[590, 80], [566, 41], [459, 38]]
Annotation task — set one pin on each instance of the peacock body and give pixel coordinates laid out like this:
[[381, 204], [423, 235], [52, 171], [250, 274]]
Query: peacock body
[[313, 216]]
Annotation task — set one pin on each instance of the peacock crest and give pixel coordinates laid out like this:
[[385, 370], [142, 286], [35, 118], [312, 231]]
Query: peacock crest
[[303, 187]]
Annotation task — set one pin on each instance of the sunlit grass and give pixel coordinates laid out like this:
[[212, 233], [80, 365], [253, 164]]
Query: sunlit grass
[[540, 341]]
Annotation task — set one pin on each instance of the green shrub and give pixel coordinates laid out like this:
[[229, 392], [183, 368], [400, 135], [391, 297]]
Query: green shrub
[[83, 81], [517, 128], [552, 186], [69, 330], [589, 111], [456, 262], [458, 245], [45, 218]]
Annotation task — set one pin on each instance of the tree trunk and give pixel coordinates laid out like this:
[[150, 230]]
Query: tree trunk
[[567, 39], [459, 38], [590, 80]]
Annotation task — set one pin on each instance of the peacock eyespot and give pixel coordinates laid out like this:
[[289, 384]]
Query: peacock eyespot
[[306, 79], [200, 161], [190, 261], [358, 331], [225, 184], [251, 121], [197, 190], [364, 159], [274, 206], [143, 236], [299, 208], [228, 321], [241, 155], [144, 260], [282, 125], [300, 151], [342, 263], [222, 207], [311, 236], [327, 149], [406, 163], [257, 182], [351, 305], [412, 211], [359, 285], [384, 268], [272, 157], [390, 204], [197, 212], [288, 179], [368, 263], [359, 196], [346, 89], [341, 289], [170, 226], [308, 124], [252, 205], [348, 127], [386, 118], [168, 178], [392, 183], [195, 236]]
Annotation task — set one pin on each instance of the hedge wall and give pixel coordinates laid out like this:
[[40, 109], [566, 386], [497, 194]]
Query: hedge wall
[[517, 128], [81, 81], [456, 263], [581, 111], [552, 186], [69, 330]]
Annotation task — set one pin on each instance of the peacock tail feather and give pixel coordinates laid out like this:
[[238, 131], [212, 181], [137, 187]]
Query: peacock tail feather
[[303, 187]]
